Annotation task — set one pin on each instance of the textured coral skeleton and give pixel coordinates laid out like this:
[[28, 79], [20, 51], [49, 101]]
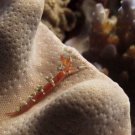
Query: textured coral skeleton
[[84, 103]]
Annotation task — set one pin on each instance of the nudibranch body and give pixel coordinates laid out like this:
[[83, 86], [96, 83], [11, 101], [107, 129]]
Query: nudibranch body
[[65, 69]]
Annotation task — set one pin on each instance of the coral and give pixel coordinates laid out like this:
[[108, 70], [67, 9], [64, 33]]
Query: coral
[[102, 28], [81, 41], [112, 46], [130, 52], [126, 24], [76, 7], [112, 5], [84, 103], [58, 17]]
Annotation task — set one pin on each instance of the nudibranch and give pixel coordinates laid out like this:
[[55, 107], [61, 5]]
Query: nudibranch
[[65, 69]]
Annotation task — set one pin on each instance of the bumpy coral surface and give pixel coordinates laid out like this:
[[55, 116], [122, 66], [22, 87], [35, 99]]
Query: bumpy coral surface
[[112, 46], [84, 103], [58, 17]]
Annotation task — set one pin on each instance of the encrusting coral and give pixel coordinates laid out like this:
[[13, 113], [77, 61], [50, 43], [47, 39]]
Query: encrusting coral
[[58, 17], [112, 46], [29, 51]]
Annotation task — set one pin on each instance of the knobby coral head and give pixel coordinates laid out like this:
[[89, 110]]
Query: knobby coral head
[[88, 101]]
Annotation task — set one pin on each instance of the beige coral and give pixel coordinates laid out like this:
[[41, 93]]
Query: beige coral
[[91, 104], [58, 17]]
